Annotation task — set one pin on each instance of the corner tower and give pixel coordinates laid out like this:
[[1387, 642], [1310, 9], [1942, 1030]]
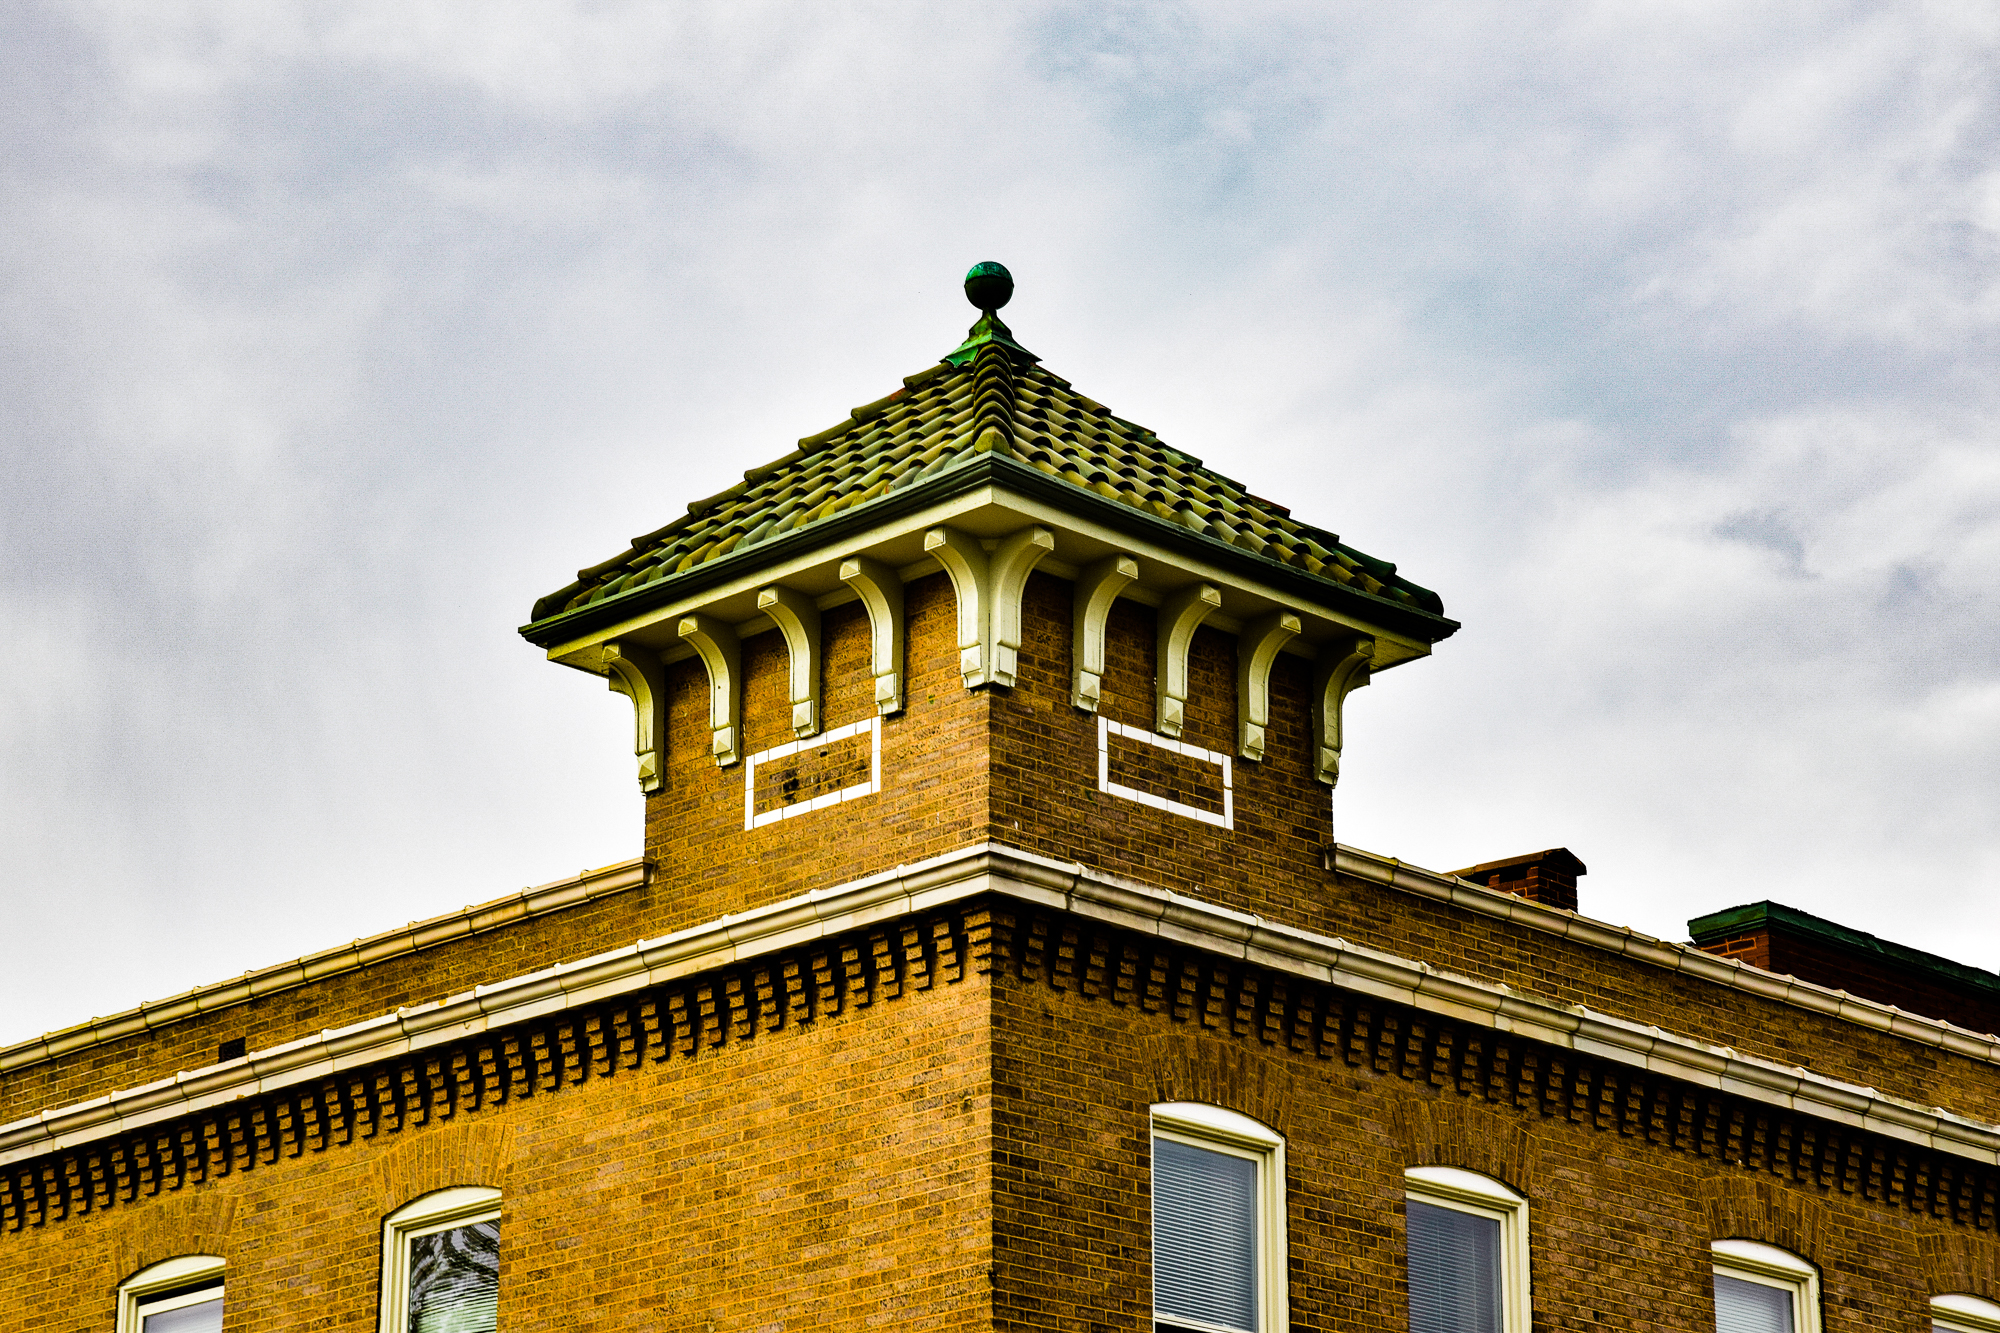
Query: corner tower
[[984, 609]]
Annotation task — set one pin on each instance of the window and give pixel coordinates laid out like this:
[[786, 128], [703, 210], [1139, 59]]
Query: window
[[181, 1295], [1218, 1222], [1762, 1289], [1964, 1314], [441, 1264], [1466, 1240]]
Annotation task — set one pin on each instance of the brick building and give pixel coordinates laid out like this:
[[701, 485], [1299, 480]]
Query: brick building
[[989, 963]]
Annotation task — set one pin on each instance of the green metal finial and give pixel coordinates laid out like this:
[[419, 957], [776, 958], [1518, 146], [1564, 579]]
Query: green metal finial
[[989, 286]]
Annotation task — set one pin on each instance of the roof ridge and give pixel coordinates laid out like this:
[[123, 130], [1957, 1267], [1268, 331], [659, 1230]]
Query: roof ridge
[[991, 400], [993, 395]]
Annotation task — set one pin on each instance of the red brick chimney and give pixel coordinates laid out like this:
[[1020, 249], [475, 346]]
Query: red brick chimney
[[1548, 878]]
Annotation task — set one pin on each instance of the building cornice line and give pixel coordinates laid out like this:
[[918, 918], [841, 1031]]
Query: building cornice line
[[1682, 958], [367, 952], [1058, 886]]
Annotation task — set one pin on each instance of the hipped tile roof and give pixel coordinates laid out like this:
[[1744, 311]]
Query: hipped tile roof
[[947, 415]]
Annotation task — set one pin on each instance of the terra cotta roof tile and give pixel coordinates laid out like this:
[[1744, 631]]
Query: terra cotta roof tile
[[995, 397]]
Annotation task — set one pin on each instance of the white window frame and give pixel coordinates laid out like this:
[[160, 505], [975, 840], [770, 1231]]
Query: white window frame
[[1962, 1312], [440, 1211], [1203, 1126], [1482, 1196], [168, 1278], [1767, 1265]]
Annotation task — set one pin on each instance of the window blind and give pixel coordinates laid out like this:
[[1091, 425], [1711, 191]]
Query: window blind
[[203, 1318], [455, 1280], [1751, 1307], [1454, 1270], [1204, 1236]]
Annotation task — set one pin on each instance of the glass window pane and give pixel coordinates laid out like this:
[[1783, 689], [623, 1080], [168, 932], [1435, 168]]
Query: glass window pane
[[203, 1318], [1454, 1271], [455, 1280], [1204, 1235], [1751, 1307]]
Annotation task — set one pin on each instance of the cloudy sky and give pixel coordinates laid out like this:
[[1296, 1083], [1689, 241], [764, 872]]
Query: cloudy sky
[[1659, 338]]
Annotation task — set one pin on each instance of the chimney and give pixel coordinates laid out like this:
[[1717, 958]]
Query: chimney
[[1548, 878]]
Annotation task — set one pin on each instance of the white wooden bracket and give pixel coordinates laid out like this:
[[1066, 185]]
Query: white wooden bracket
[[1256, 649], [882, 593], [716, 644], [1179, 617], [1341, 670], [964, 560], [635, 672], [1096, 589], [797, 618], [989, 592]]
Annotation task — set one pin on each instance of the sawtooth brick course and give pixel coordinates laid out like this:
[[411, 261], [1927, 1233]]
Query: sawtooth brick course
[[1621, 1220], [943, 1130], [1045, 800], [738, 1186], [943, 1123], [449, 968], [1019, 767]]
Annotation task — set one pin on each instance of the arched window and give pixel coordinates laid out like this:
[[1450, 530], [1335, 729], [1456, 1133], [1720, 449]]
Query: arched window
[[1762, 1289], [1466, 1241], [441, 1263], [182, 1295], [1960, 1313], [1218, 1222]]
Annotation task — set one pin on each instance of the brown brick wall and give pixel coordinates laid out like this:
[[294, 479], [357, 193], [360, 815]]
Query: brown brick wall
[[1548, 966], [934, 770], [828, 1173], [1863, 974], [1621, 1214], [1879, 979], [943, 1124], [1045, 796], [449, 968], [1753, 949], [1039, 776], [1045, 800]]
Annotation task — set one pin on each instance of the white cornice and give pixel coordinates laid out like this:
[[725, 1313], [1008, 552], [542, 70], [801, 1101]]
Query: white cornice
[[1057, 886], [1682, 958], [985, 512], [362, 953]]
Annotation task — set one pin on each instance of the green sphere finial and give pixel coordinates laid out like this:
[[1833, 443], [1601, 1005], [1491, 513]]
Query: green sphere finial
[[989, 286]]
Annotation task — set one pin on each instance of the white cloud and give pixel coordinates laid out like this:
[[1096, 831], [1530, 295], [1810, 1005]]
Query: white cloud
[[1656, 337]]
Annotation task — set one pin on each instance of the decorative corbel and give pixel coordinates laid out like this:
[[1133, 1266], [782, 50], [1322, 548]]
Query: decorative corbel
[[1009, 570], [1342, 669], [964, 561], [797, 618], [634, 671], [716, 643], [882, 593], [1096, 589], [1256, 649], [1179, 617], [989, 597]]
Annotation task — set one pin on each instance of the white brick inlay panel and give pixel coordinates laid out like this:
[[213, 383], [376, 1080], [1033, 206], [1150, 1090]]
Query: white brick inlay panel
[[872, 727], [1106, 729]]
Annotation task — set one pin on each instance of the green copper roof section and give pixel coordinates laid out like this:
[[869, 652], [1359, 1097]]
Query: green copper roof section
[[988, 332], [1754, 917], [997, 403], [988, 286]]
